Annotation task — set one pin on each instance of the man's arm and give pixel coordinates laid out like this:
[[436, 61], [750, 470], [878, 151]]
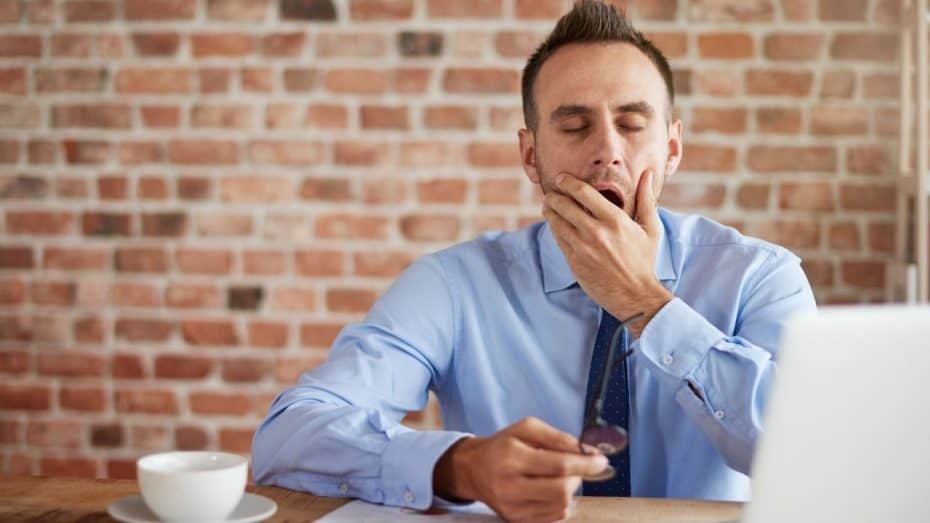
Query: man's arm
[[337, 432], [722, 381]]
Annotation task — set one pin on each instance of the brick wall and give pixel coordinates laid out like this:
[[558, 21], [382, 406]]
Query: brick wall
[[196, 196]]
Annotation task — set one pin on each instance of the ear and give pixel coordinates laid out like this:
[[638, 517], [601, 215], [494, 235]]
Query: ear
[[528, 154], [675, 148]]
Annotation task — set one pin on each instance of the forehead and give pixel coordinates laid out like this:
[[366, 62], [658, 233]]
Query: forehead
[[592, 74]]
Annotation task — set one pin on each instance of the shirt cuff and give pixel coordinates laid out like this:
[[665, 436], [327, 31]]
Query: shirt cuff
[[677, 340], [407, 466]]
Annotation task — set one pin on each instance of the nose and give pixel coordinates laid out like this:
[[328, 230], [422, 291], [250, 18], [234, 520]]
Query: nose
[[607, 149]]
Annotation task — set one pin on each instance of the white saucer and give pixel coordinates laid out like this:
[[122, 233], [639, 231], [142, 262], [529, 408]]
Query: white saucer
[[252, 507]]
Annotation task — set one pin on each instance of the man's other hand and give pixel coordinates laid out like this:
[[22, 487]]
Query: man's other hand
[[528, 471]]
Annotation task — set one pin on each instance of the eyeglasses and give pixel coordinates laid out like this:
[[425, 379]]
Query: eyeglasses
[[609, 439]]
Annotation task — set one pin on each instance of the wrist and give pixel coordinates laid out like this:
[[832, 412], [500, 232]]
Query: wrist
[[452, 477]]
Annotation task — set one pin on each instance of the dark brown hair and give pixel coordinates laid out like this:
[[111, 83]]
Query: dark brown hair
[[589, 21]]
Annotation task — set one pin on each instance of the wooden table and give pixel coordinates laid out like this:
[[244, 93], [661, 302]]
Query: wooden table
[[30, 498]]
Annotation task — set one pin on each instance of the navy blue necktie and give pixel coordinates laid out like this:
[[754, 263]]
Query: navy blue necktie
[[616, 407]]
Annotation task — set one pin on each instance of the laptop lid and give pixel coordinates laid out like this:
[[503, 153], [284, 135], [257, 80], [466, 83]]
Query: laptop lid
[[847, 428]]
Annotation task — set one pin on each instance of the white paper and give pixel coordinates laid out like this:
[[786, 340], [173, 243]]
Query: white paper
[[358, 510]]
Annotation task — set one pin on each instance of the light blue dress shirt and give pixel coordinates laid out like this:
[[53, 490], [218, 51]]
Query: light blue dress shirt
[[499, 329]]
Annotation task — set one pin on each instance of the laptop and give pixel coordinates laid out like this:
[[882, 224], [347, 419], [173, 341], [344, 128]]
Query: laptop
[[847, 426]]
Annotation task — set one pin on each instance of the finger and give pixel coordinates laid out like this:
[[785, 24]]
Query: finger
[[586, 195], [570, 210], [560, 464], [537, 433], [564, 232], [646, 214]]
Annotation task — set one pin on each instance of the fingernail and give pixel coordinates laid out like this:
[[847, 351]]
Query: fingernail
[[590, 449], [559, 178], [601, 460]]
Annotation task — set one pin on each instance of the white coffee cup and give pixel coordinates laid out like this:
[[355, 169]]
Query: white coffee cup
[[189, 486]]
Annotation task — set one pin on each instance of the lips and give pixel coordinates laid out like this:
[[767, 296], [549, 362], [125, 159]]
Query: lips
[[612, 196]]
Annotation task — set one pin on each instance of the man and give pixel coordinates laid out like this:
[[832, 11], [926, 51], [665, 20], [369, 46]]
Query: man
[[503, 328]]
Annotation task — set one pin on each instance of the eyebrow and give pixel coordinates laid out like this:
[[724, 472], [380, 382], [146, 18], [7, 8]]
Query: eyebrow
[[563, 111]]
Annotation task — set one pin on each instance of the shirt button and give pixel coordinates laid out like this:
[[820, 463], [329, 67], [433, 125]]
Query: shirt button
[[667, 359], [719, 414], [408, 497], [344, 488]]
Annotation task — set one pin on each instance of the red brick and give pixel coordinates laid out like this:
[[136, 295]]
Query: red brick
[[83, 398], [881, 85], [489, 154], [288, 370], [150, 80], [442, 190], [224, 225], [778, 120], [873, 198], [763, 158], [12, 46], [881, 237], [13, 80], [134, 294], [182, 367], [141, 259], [500, 191], [238, 10], [54, 433], [268, 334], [724, 83], [24, 115], [812, 196], [225, 116], [455, 9], [144, 330], [350, 300], [9, 151], [693, 195], [371, 10], [837, 84], [164, 224], [844, 237], [229, 45], [290, 44], [160, 10], [792, 46], [792, 234], [52, 293], [319, 334], [89, 330], [150, 437], [201, 261], [300, 79], [711, 158], [487, 80], [222, 403], [246, 369], [761, 82], [412, 80], [10, 432], [192, 295], [350, 226], [127, 367], [73, 45], [518, 44], [875, 47], [730, 46], [138, 153], [360, 153], [430, 227], [112, 187], [420, 43], [209, 332], [194, 188], [24, 397], [384, 117], [839, 120], [237, 440], [450, 117], [326, 189], [731, 10], [14, 361], [287, 152], [293, 299], [106, 224], [68, 467], [384, 191], [382, 264], [190, 438], [80, 259], [23, 187], [721, 120], [214, 80], [256, 188], [90, 11], [864, 274], [357, 81], [121, 469], [842, 10], [356, 44], [202, 152], [145, 401], [263, 262], [39, 222], [106, 435], [16, 258], [318, 262], [866, 159], [156, 44]]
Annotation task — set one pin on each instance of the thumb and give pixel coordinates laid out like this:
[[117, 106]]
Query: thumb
[[646, 214], [540, 434]]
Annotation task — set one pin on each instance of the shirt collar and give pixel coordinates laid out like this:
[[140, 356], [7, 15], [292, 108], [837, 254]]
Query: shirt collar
[[557, 275]]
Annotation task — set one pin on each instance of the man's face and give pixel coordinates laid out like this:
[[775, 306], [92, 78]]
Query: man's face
[[604, 118]]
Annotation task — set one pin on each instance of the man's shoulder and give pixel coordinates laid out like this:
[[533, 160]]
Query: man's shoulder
[[495, 248], [697, 235]]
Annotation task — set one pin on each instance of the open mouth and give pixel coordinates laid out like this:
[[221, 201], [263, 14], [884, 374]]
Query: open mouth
[[612, 197]]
